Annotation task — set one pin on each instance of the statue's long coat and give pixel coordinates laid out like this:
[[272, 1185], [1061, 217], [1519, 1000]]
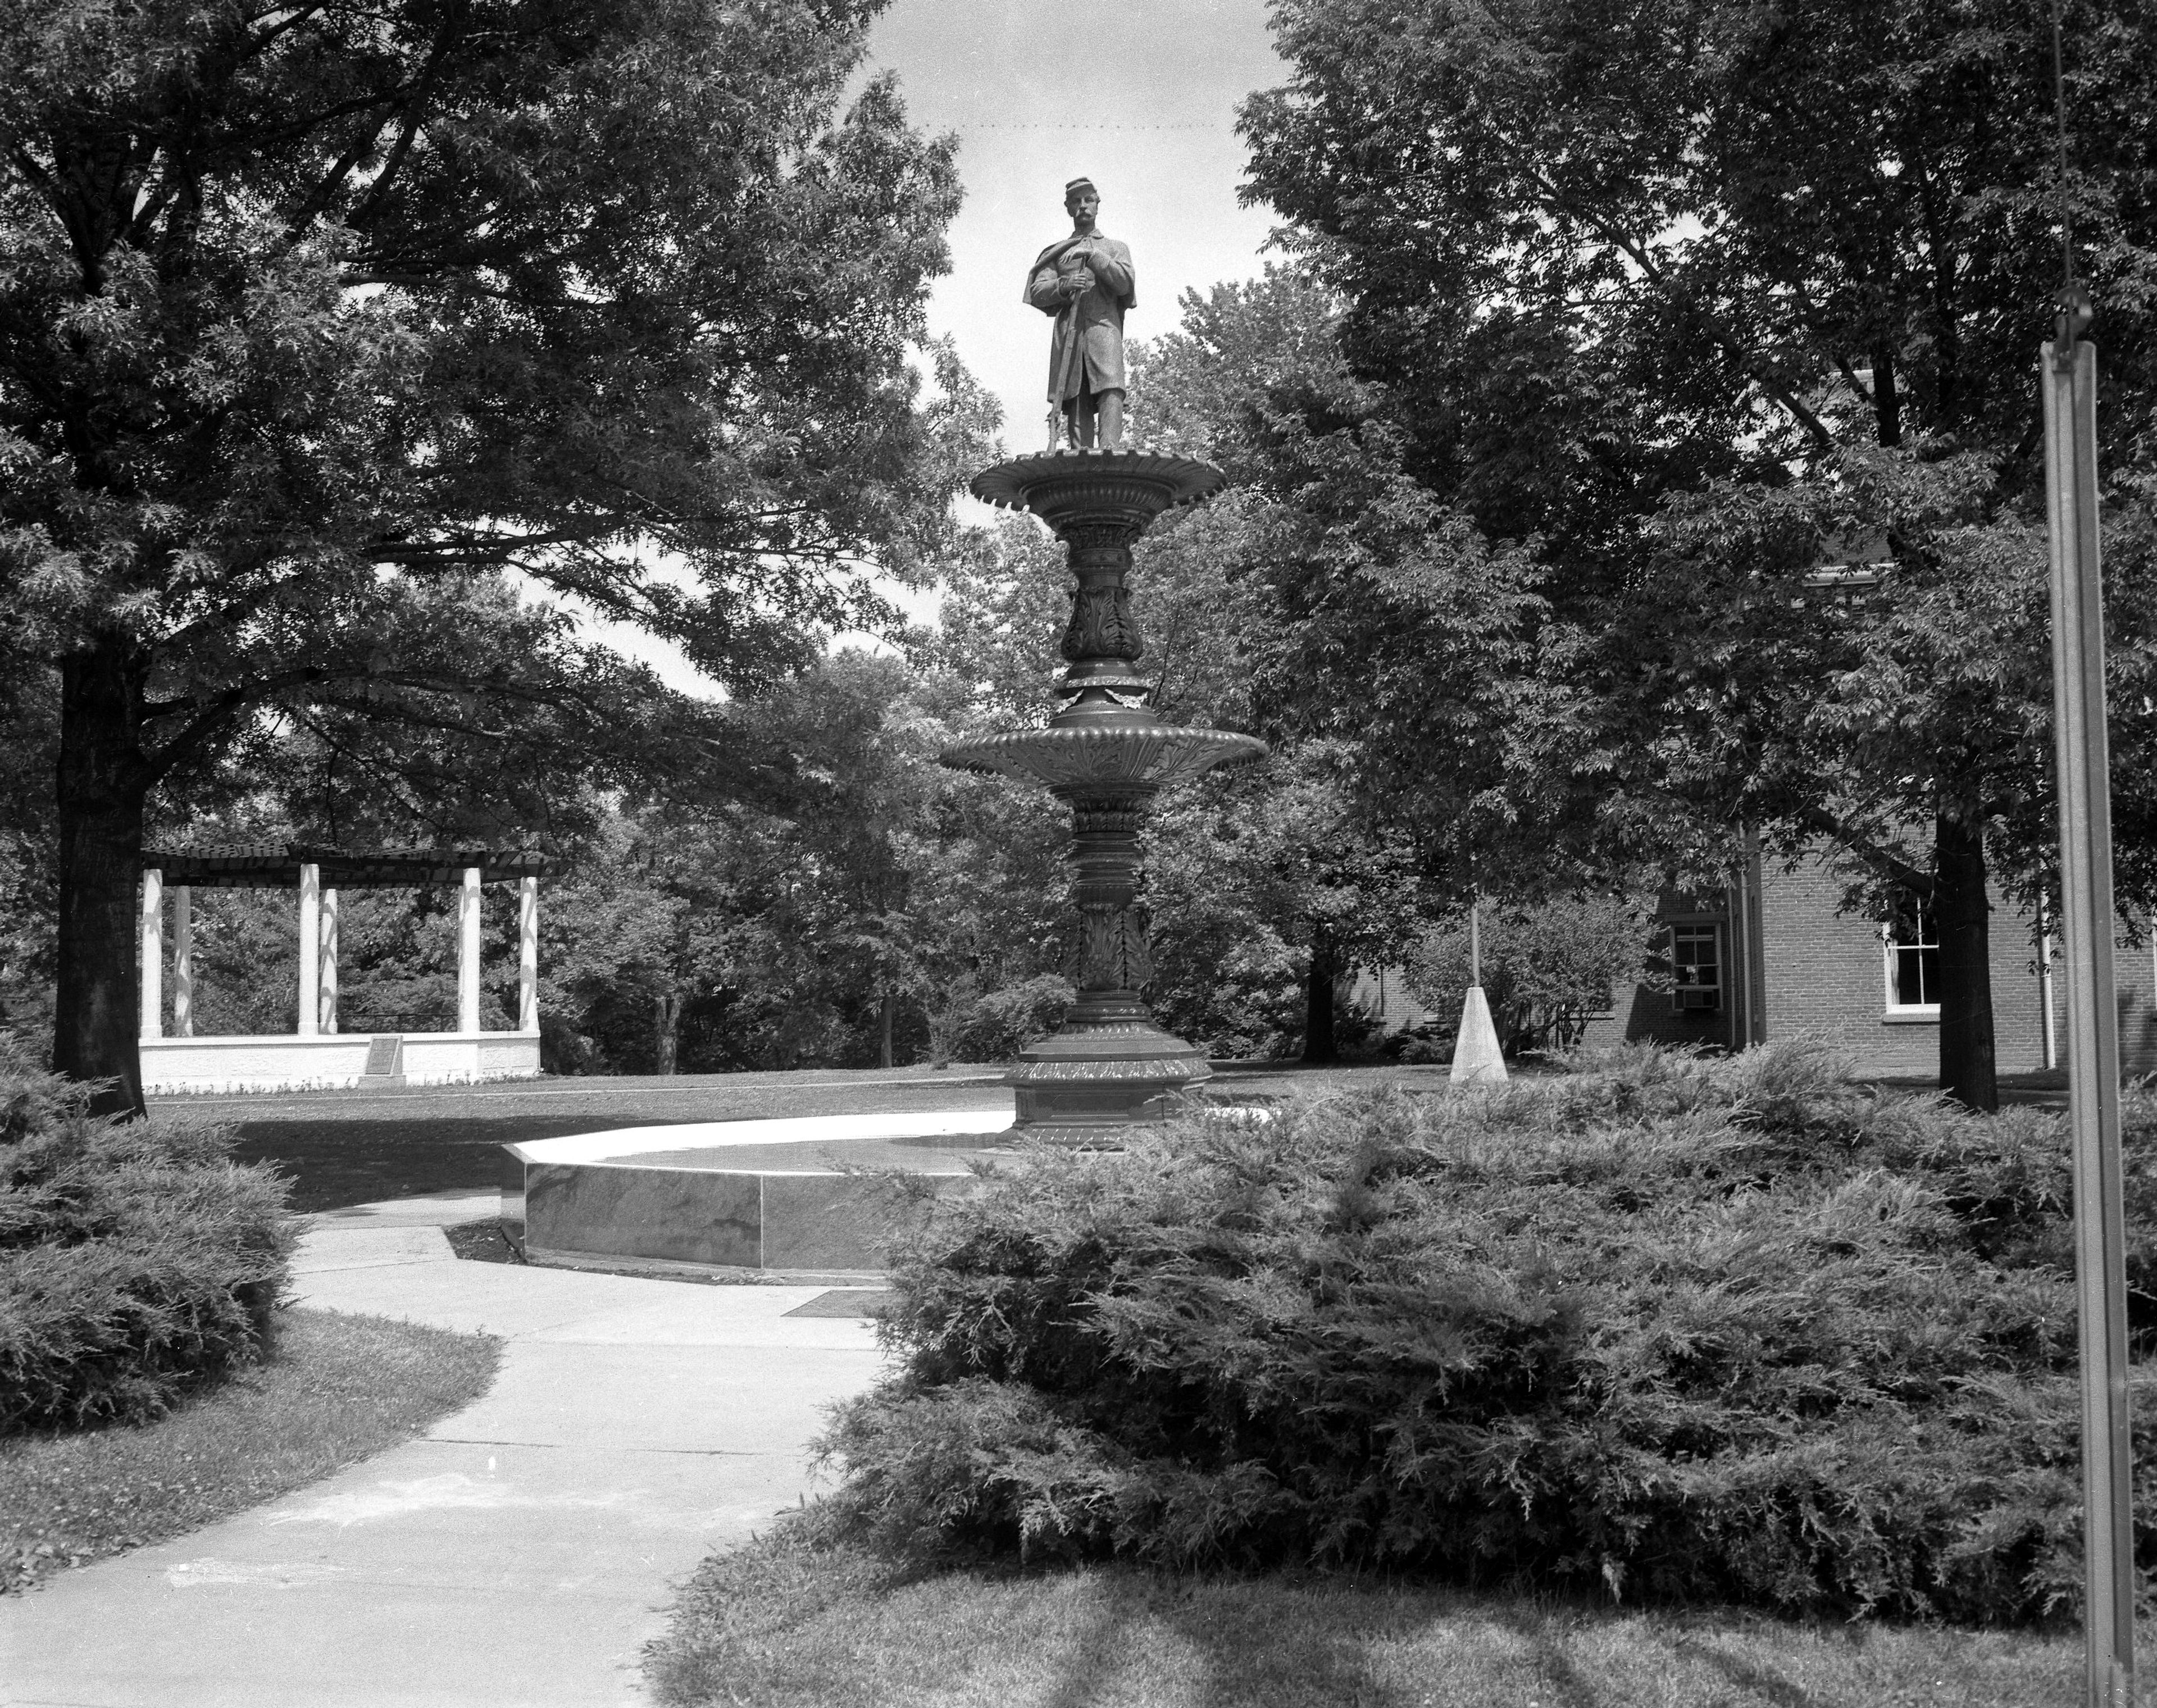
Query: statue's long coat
[[1099, 366]]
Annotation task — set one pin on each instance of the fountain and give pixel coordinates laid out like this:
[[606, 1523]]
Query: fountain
[[790, 1198], [1107, 753]]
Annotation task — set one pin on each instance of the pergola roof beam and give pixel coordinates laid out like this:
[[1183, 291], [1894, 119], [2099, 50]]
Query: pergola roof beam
[[276, 865]]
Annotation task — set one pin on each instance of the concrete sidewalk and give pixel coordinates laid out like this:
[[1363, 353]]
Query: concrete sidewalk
[[520, 1552]]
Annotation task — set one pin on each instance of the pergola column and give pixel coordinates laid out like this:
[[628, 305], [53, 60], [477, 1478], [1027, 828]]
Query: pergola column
[[468, 952], [326, 950], [183, 961], [311, 965], [527, 954], [153, 953]]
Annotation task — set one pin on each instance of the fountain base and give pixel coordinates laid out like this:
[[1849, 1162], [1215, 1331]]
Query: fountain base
[[1088, 1085]]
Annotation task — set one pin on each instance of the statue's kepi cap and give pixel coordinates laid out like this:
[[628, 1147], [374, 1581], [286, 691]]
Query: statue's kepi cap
[[1078, 185]]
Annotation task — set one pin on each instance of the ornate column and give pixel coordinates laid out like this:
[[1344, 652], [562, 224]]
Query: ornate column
[[1107, 753], [1115, 955], [325, 951], [153, 953], [527, 954], [468, 952], [183, 961], [1101, 643], [311, 965]]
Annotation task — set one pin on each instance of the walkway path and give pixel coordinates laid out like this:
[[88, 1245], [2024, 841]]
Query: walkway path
[[520, 1552]]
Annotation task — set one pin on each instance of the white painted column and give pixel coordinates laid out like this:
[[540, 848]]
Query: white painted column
[[326, 950], [528, 956], [468, 953], [183, 961], [2051, 1027], [311, 966], [153, 953]]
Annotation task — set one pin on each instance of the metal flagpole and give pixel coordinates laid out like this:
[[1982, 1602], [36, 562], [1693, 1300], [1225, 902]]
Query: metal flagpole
[[2069, 370], [2067, 367]]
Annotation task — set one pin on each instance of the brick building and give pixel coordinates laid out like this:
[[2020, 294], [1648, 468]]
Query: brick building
[[1771, 956]]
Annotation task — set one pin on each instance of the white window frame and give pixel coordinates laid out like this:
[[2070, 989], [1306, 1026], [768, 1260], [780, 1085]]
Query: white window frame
[[1714, 927], [1927, 937]]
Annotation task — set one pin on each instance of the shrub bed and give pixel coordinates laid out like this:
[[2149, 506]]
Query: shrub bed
[[1676, 1327], [137, 1260]]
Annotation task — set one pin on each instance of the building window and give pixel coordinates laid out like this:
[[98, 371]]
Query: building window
[[1696, 963], [1914, 963]]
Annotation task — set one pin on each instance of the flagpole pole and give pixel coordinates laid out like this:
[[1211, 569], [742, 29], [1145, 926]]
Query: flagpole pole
[[2068, 368]]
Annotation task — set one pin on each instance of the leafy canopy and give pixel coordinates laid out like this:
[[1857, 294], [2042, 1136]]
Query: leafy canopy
[[296, 304]]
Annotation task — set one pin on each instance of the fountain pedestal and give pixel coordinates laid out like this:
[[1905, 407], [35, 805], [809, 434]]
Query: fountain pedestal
[[1106, 753]]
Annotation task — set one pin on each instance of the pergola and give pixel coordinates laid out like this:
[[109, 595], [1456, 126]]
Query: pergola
[[316, 1053]]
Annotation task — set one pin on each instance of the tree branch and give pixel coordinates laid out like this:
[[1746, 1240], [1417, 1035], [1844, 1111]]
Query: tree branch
[[227, 708], [319, 198], [40, 179], [414, 105], [261, 45], [1643, 258], [1897, 871]]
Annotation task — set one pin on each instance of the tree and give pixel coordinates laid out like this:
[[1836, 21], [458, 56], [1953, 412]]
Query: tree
[[644, 927], [867, 905], [862, 828], [1372, 634], [29, 740], [1547, 966], [301, 309], [1265, 869], [1693, 301], [1369, 612]]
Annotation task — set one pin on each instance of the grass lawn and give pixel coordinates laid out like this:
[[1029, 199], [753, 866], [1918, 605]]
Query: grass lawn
[[787, 1624], [335, 1388], [351, 1147], [342, 1148]]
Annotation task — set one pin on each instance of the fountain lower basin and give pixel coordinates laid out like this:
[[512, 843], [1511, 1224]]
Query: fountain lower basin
[[801, 1199]]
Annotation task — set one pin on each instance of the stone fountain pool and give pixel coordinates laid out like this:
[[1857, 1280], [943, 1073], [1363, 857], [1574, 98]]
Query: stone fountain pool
[[807, 1198]]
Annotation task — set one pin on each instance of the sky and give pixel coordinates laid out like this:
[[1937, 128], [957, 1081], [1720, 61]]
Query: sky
[[1140, 96]]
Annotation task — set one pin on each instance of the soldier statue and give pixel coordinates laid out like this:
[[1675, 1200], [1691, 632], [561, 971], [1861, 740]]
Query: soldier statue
[[1086, 282]]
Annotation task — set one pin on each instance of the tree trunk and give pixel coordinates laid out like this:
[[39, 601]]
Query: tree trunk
[[1887, 406], [666, 1027], [890, 1012], [1318, 1044], [1961, 915], [100, 784]]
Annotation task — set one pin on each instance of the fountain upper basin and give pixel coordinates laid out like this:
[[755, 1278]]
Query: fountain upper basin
[[1105, 755]]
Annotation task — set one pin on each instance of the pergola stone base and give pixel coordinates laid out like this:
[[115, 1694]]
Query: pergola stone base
[[332, 1060]]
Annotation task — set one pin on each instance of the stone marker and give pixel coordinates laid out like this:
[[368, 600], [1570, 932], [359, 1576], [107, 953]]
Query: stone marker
[[1476, 1057]]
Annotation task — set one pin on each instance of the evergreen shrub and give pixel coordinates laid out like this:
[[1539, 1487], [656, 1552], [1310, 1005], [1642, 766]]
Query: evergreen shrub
[[1678, 1327], [137, 1260]]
